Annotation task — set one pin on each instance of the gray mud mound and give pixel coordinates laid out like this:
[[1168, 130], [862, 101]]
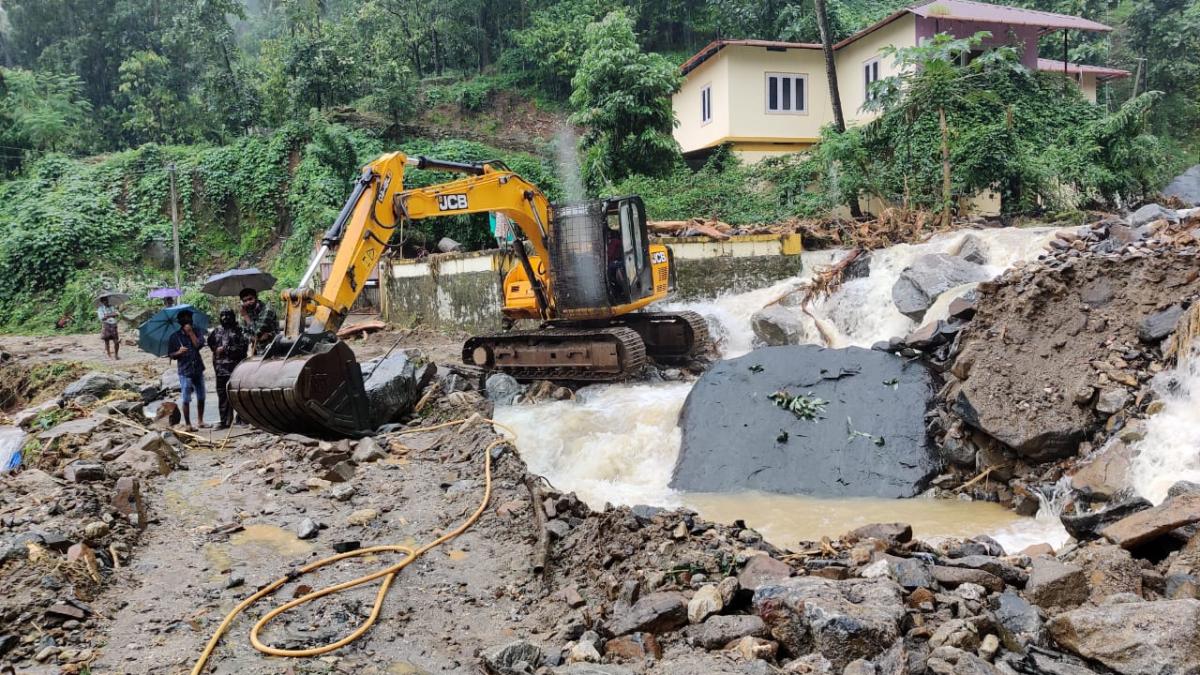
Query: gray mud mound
[[866, 437]]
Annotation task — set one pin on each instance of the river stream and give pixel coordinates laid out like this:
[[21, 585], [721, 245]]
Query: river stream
[[618, 443]]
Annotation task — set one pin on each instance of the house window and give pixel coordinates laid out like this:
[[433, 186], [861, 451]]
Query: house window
[[787, 93], [870, 75], [706, 104]]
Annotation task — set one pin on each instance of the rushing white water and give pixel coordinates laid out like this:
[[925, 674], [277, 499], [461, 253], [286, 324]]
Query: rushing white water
[[618, 443], [1170, 450]]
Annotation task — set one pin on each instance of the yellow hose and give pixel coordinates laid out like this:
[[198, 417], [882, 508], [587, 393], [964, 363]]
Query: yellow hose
[[388, 574]]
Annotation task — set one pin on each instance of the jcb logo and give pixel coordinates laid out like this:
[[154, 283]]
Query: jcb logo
[[452, 202], [658, 258]]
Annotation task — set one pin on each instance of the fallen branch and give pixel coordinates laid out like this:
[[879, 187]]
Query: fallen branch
[[982, 474], [541, 549]]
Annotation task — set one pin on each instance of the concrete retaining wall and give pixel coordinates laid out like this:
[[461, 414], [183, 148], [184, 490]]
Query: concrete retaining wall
[[462, 291]]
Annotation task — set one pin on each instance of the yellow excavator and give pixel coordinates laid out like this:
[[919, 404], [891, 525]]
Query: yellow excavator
[[584, 274]]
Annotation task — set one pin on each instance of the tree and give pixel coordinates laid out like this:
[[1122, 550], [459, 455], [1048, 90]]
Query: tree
[[547, 52], [835, 97], [622, 96], [157, 111], [41, 111]]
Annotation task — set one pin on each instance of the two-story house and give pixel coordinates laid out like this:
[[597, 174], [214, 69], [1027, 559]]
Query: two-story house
[[767, 98]]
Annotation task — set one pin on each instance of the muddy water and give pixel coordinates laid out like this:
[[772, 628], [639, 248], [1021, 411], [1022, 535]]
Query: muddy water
[[618, 443]]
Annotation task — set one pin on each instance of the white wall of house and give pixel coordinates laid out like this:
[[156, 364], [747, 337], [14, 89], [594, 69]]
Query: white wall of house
[[851, 59], [692, 132]]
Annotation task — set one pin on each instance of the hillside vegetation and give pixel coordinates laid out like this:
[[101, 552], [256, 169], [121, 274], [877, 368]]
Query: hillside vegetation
[[266, 108]]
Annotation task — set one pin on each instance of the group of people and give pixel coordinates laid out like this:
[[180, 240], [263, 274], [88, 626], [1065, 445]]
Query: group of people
[[230, 342]]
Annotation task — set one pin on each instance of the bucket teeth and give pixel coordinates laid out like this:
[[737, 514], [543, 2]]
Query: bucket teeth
[[319, 394]]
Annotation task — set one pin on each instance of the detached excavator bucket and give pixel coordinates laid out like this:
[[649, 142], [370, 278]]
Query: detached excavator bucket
[[318, 393]]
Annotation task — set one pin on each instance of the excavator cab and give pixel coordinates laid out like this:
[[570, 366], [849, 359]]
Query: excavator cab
[[610, 230]]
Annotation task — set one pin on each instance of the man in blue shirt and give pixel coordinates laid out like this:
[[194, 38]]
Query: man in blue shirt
[[184, 347]]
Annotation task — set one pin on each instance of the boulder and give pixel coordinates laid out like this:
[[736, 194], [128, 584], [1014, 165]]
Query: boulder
[[843, 620], [720, 630], [368, 450], [891, 533], [1185, 187], [81, 426], [964, 306], [1159, 325], [1054, 435], [953, 577], [1150, 524], [910, 573], [706, 602], [1111, 571], [777, 325], [1112, 400], [633, 647], [83, 471], [1136, 638], [393, 386], [515, 658], [169, 381], [866, 438], [655, 613], [1087, 526], [1106, 472], [1151, 213], [990, 564], [503, 389], [972, 249], [1018, 622], [761, 570], [143, 463], [928, 277], [99, 384], [1053, 583]]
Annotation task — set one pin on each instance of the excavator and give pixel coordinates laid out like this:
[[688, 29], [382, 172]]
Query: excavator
[[585, 275]]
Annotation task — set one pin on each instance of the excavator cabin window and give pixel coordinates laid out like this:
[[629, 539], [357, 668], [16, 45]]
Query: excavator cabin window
[[627, 250]]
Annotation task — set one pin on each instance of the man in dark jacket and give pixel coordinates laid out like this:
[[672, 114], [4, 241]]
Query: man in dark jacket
[[259, 321], [229, 346], [184, 347]]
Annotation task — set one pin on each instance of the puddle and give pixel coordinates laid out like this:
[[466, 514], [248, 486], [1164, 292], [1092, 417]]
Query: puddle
[[276, 539]]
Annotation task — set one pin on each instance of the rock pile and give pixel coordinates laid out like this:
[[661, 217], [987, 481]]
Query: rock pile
[[675, 594], [1053, 360], [73, 515]]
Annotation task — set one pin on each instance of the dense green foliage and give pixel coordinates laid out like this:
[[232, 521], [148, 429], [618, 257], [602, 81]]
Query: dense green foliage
[[1038, 143], [237, 94], [70, 228], [622, 98]]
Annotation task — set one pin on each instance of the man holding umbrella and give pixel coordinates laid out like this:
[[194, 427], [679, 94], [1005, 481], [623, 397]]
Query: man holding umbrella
[[184, 347], [259, 321]]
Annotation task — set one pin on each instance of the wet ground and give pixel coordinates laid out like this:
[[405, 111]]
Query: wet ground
[[191, 569]]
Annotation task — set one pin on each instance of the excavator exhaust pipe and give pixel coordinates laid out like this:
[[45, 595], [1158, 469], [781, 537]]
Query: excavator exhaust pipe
[[315, 391]]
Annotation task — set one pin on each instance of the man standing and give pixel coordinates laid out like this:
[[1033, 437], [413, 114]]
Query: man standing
[[229, 345], [108, 328], [184, 347], [258, 320]]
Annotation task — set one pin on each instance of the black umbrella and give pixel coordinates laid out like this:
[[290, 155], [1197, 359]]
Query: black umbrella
[[232, 282]]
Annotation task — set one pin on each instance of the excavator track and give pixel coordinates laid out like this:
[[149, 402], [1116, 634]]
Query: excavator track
[[555, 353], [669, 336]]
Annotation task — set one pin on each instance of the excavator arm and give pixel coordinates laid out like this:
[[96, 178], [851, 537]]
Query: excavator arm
[[379, 203], [308, 381]]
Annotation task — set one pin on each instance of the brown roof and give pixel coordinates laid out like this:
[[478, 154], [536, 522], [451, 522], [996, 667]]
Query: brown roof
[[952, 10], [717, 45], [966, 10], [1050, 65]]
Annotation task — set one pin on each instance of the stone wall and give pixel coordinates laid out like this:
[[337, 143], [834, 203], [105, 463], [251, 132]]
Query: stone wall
[[462, 291]]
